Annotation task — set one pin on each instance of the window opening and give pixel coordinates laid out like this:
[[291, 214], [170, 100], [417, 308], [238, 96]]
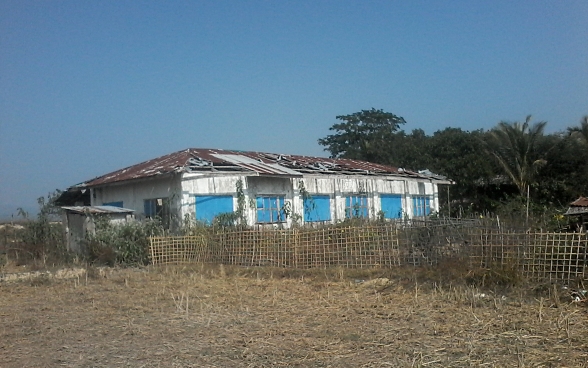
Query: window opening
[[356, 206], [270, 209], [421, 206], [158, 208]]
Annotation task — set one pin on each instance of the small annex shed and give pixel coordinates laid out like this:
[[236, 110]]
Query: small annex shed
[[266, 189], [579, 210], [79, 221]]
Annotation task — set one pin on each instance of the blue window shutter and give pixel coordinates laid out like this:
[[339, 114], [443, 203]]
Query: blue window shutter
[[263, 211], [281, 213], [364, 207], [147, 208], [317, 208], [391, 205], [264, 216], [208, 207], [114, 204], [273, 204]]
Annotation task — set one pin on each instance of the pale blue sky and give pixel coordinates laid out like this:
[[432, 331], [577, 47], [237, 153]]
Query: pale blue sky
[[90, 87]]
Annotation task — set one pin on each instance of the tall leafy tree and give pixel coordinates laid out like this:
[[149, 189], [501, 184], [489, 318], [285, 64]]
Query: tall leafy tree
[[515, 147], [580, 132], [364, 135], [458, 154], [409, 151], [563, 178]]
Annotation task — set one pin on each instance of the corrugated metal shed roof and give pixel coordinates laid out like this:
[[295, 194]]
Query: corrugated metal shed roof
[[97, 210], [218, 160], [576, 211], [578, 207], [580, 202]]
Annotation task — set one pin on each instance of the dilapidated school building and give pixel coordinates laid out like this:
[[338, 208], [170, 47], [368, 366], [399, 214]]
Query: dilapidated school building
[[265, 188]]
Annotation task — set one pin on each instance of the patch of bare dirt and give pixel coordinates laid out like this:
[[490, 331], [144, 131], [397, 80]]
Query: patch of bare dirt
[[217, 317]]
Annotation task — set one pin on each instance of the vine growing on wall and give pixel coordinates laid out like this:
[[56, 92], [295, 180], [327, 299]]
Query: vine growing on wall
[[239, 215], [240, 199], [307, 200]]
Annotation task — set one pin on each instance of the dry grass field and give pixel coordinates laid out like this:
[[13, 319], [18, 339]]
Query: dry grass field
[[214, 316]]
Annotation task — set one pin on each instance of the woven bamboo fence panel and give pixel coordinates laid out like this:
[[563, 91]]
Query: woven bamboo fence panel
[[180, 249], [538, 256]]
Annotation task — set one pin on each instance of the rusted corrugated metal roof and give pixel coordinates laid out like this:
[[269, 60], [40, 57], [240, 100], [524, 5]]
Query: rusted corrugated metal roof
[[218, 160], [580, 202], [578, 207]]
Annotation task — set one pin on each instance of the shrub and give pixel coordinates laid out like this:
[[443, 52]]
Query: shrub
[[43, 237], [124, 243]]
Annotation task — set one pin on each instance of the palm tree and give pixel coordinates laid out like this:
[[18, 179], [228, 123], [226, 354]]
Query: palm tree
[[514, 145], [580, 132]]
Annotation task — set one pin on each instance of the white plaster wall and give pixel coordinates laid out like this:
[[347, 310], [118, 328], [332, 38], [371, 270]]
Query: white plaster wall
[[253, 186], [205, 184], [133, 193], [182, 189], [340, 187]]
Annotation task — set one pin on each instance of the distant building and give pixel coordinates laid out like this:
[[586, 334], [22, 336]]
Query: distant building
[[79, 221], [579, 210], [270, 189]]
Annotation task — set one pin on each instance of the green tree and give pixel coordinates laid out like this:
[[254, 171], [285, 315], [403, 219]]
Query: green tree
[[409, 151], [563, 178], [580, 133], [363, 135], [515, 147], [459, 155]]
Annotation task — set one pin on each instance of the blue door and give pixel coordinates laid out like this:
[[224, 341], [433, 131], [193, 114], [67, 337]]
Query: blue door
[[392, 205], [208, 207]]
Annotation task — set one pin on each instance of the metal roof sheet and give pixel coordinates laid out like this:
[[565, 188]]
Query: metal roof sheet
[[258, 166], [580, 202], [97, 209], [260, 163], [576, 211]]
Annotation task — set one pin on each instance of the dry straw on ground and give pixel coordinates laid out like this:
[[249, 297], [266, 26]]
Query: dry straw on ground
[[215, 316]]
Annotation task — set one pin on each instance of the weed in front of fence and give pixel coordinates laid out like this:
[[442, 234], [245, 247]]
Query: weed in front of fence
[[38, 242], [124, 243]]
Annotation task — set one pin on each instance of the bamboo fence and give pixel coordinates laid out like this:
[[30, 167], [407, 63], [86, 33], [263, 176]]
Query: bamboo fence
[[538, 256]]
